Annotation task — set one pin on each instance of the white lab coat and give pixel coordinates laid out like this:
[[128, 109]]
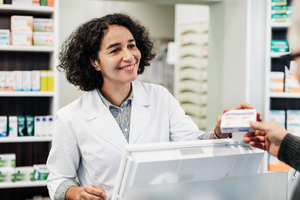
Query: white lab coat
[[88, 143]]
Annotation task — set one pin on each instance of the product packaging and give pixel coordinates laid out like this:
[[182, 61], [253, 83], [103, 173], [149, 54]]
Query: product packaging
[[50, 124], [4, 37], [24, 174], [278, 116], [41, 172], [3, 126], [9, 81], [291, 82], [29, 125], [278, 2], [50, 80], [278, 9], [43, 2], [2, 81], [276, 82], [22, 2], [50, 3], [21, 126], [237, 120], [293, 122], [43, 39], [21, 38], [7, 174], [279, 17], [38, 126], [42, 25], [13, 126], [21, 23], [7, 160], [279, 46], [36, 80], [18, 82], [26, 81], [44, 125], [36, 2], [44, 82]]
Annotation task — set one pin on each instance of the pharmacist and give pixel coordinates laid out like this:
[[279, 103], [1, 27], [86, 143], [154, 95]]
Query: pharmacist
[[103, 57]]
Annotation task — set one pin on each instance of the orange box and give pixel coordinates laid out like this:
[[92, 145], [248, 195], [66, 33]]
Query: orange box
[[35, 2], [281, 166], [50, 3]]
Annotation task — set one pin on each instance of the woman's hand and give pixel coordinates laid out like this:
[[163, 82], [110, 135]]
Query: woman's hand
[[91, 192], [267, 136], [238, 107]]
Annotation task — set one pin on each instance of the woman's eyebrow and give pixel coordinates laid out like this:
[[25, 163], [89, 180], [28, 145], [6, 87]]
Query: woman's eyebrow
[[116, 44]]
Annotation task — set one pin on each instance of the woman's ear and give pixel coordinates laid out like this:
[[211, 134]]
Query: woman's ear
[[95, 64]]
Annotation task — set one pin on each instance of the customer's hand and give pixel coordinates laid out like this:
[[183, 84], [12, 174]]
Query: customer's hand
[[87, 192], [267, 136], [238, 107]]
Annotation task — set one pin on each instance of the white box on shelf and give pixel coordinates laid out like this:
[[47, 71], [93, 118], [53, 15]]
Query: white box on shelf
[[4, 37], [41, 172], [293, 122], [277, 77], [44, 125], [3, 126], [278, 116], [7, 174], [21, 38], [38, 126], [7, 160], [42, 25], [276, 87], [24, 173], [2, 81], [43, 39], [36, 80], [13, 126], [9, 81], [50, 125], [18, 77], [21, 23], [22, 2], [26, 83]]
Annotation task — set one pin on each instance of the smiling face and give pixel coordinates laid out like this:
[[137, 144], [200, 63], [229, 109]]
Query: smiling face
[[119, 57]]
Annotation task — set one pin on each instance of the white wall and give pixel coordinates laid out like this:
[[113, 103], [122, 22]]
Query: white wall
[[159, 19]]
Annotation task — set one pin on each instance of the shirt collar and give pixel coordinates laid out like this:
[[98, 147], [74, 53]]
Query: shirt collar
[[108, 104]]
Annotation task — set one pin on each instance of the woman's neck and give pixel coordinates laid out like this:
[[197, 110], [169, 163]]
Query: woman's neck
[[116, 95]]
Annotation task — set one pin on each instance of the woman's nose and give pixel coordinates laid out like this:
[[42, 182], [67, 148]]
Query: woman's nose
[[127, 55]]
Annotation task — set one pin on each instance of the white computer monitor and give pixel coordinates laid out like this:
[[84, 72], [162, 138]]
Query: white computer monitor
[[163, 163]]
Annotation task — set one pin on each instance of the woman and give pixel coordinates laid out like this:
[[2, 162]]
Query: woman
[[271, 136], [103, 57]]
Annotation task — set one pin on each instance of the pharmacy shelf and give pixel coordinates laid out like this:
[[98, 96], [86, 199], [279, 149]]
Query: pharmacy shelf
[[284, 95], [277, 55], [26, 94], [25, 139], [280, 25], [8, 8], [27, 48], [23, 184]]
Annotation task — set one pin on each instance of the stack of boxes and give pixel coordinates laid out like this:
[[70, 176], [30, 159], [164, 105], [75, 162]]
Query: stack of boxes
[[28, 125], [291, 83], [281, 12], [35, 80], [28, 31], [10, 173]]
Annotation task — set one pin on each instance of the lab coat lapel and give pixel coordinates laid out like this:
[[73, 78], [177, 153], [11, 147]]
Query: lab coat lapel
[[140, 113], [102, 121]]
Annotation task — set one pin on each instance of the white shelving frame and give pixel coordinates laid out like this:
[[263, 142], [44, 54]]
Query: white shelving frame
[[25, 139], [23, 184]]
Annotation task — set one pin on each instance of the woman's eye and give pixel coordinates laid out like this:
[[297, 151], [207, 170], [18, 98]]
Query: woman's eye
[[114, 51], [131, 45]]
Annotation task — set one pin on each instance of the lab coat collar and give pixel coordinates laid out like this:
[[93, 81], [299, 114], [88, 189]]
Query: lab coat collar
[[104, 124]]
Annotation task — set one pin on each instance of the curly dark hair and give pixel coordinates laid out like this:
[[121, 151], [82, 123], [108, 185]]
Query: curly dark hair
[[85, 42]]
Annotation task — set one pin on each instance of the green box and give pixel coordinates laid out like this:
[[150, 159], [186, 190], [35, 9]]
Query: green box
[[278, 17], [43, 2], [8, 160], [7, 174], [278, 9], [21, 126], [279, 46]]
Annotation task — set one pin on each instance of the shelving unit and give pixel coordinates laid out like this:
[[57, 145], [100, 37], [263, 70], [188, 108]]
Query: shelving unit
[[23, 184], [275, 101], [28, 150]]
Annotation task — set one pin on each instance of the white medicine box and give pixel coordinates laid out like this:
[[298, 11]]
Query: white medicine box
[[4, 37], [21, 23], [42, 25], [238, 120], [43, 39]]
